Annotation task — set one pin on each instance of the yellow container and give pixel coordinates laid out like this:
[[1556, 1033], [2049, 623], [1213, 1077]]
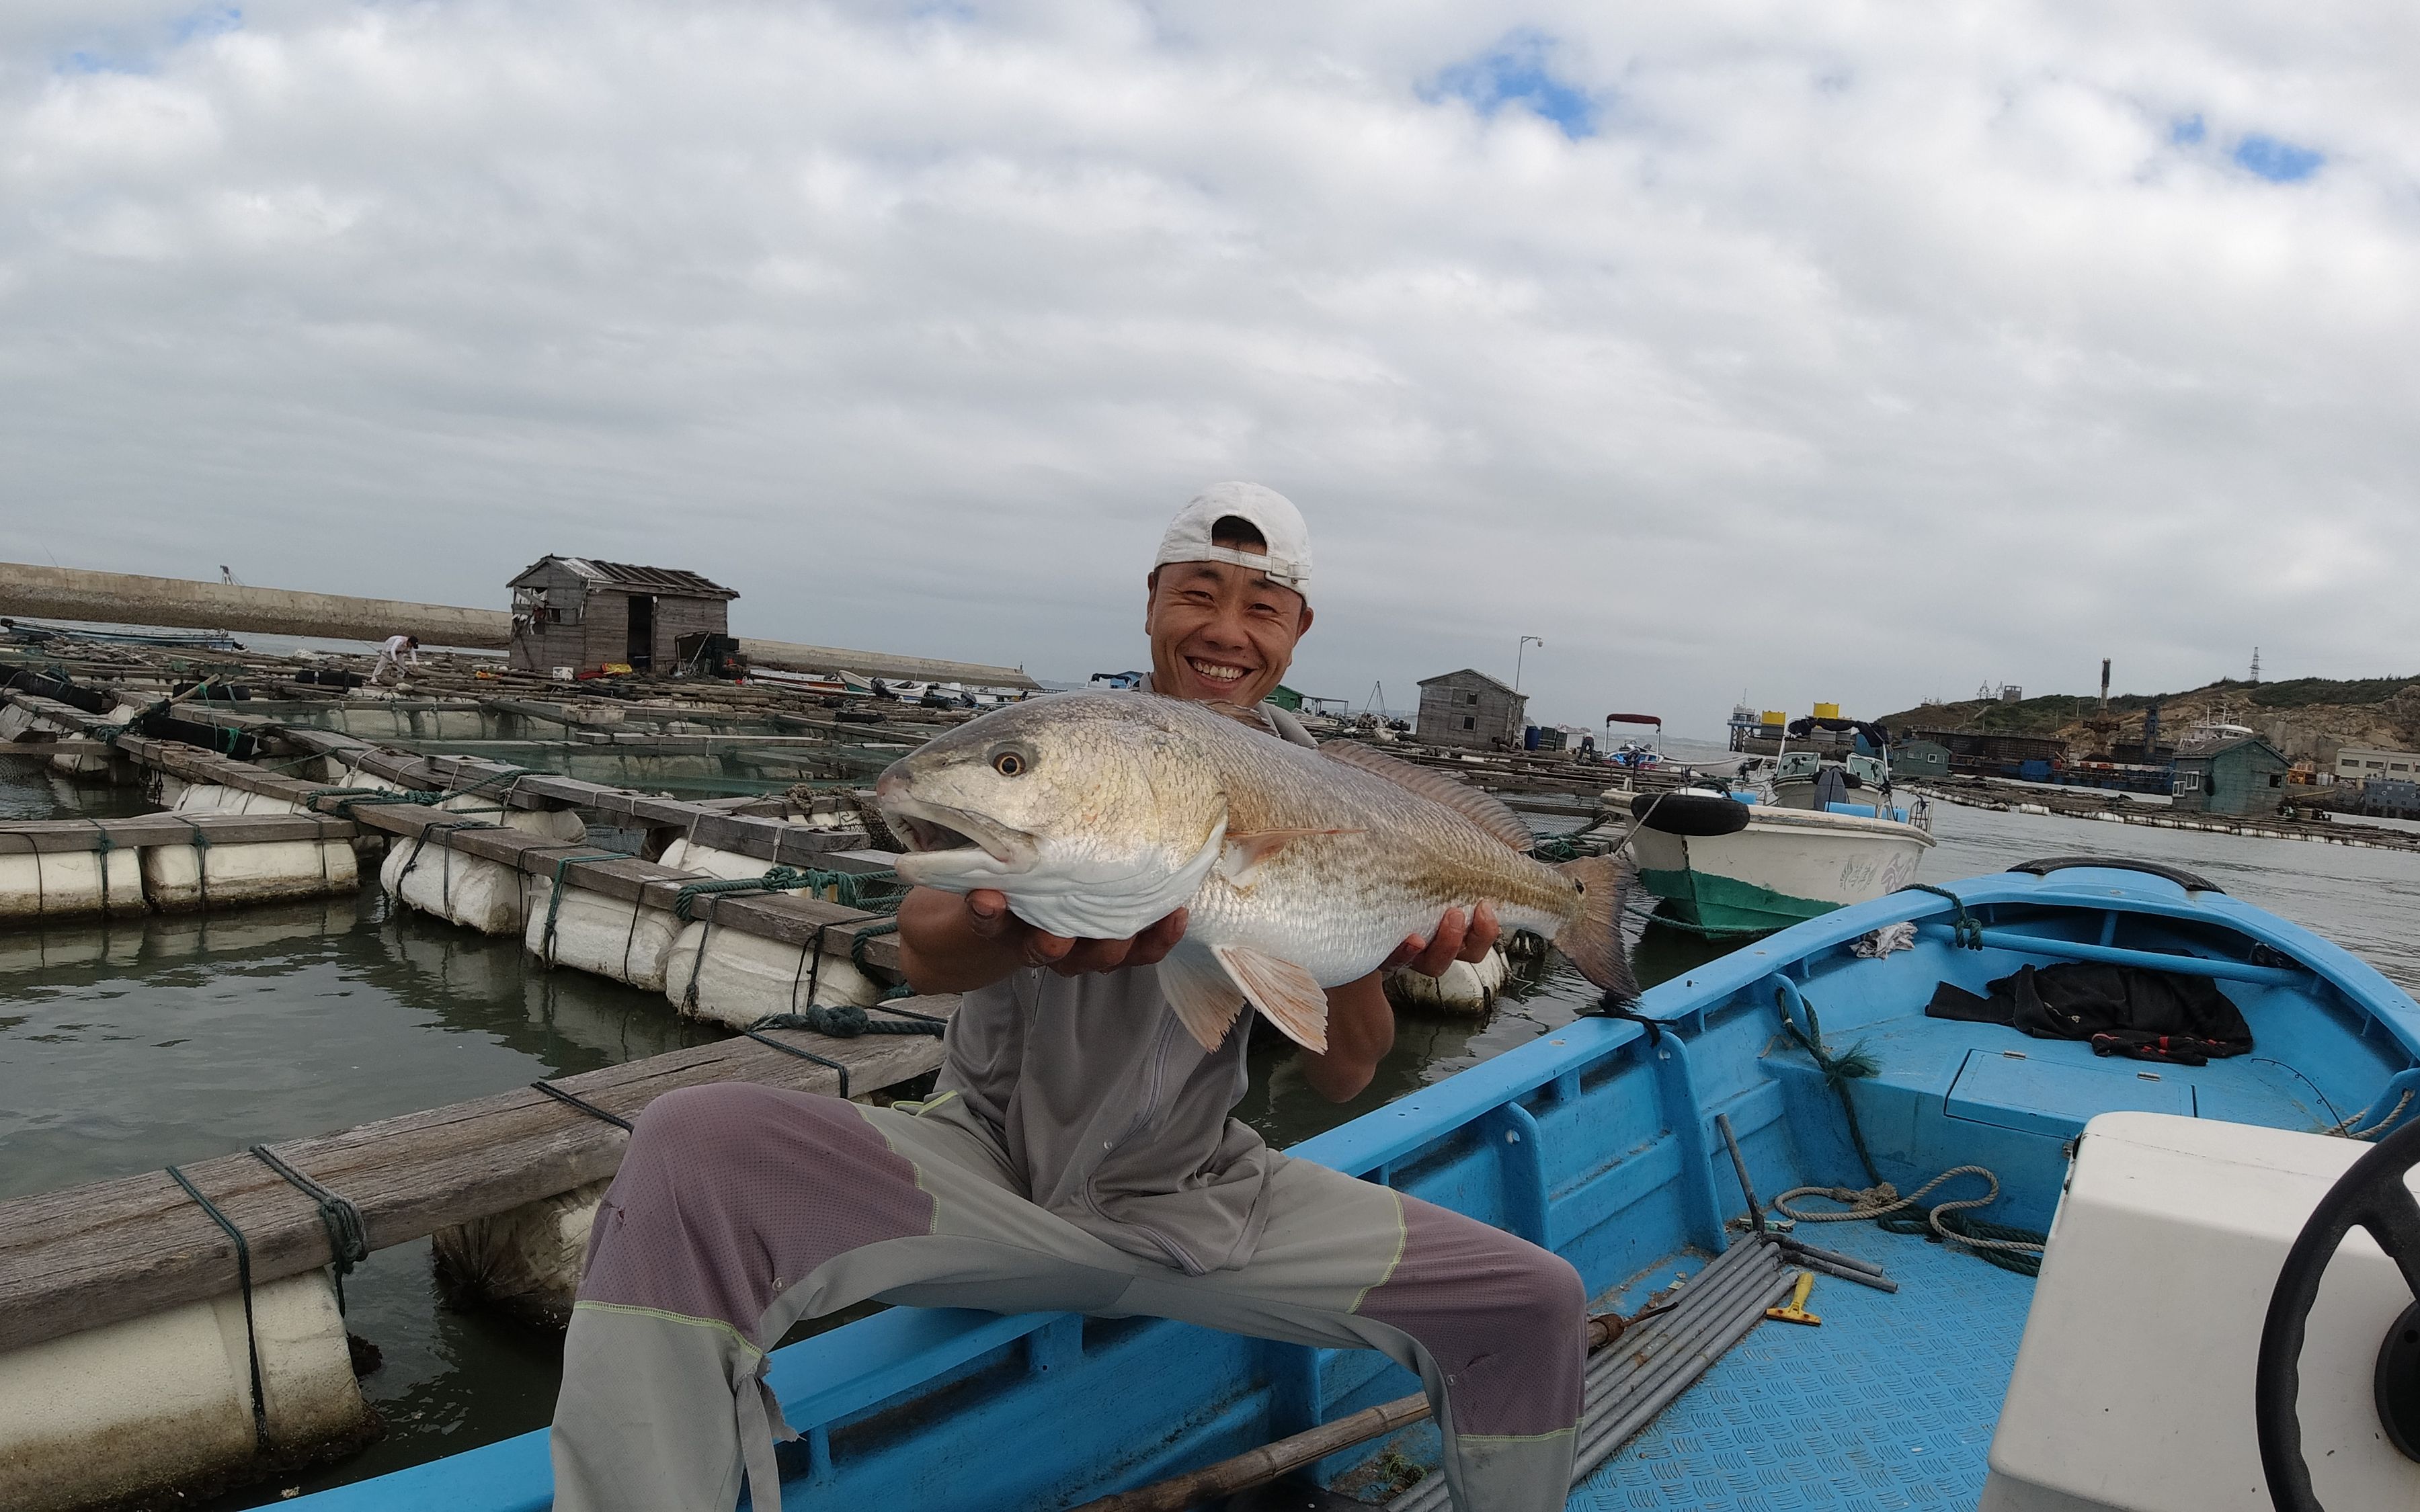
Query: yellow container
[[1773, 718], [1827, 711]]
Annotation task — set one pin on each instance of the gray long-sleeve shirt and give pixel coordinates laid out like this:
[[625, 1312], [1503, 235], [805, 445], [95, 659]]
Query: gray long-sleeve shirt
[[1110, 1113]]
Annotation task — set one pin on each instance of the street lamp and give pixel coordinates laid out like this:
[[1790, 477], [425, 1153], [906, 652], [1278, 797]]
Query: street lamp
[[1520, 651]]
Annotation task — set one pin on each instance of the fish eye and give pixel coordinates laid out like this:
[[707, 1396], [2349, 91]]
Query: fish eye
[[1008, 764]]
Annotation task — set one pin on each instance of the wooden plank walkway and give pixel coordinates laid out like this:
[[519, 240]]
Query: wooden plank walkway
[[85, 1255], [53, 837], [783, 917]]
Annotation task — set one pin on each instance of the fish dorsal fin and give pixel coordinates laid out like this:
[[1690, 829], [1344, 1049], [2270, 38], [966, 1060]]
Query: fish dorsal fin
[[1198, 989], [1500, 821], [1284, 991], [1244, 853]]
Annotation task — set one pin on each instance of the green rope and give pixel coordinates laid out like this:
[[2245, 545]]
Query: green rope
[[347, 799], [851, 889], [1911, 1217], [348, 1240], [1968, 929], [1554, 848], [243, 1283], [1838, 1070], [845, 1021], [555, 903]]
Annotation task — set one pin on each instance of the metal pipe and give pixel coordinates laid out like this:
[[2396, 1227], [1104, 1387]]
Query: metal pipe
[[2182, 965]]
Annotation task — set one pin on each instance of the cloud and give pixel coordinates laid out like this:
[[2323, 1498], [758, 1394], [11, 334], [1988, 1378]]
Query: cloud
[[1809, 354]]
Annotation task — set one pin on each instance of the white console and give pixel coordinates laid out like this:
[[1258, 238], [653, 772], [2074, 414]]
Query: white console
[[2133, 1389]]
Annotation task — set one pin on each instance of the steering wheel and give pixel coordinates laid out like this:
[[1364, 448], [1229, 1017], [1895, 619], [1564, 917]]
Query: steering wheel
[[2371, 1194]]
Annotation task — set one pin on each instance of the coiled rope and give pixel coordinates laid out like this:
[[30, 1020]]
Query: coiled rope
[[2010, 1248], [348, 1237]]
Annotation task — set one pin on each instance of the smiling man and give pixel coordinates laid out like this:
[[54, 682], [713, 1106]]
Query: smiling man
[[1077, 1155]]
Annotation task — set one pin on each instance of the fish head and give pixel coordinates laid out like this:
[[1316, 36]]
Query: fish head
[[1076, 795]]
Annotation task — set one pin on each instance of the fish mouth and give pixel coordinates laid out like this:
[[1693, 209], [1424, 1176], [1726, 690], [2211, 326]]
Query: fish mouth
[[936, 830]]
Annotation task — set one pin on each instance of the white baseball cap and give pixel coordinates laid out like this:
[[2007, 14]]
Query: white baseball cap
[[1288, 558]]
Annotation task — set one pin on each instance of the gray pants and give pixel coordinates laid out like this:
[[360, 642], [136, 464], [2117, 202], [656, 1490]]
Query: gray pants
[[740, 1209]]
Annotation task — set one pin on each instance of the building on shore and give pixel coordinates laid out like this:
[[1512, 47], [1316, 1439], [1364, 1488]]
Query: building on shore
[[1471, 709], [2244, 777], [2361, 764], [584, 614]]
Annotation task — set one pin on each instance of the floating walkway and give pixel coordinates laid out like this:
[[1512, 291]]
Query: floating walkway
[[2323, 834], [168, 1332]]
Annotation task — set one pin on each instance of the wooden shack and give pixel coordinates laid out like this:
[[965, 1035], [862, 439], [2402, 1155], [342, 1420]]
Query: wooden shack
[[1472, 709], [585, 614], [2244, 777], [1919, 757]]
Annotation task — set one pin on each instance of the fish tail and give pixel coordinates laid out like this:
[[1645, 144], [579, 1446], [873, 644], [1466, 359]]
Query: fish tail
[[1593, 940]]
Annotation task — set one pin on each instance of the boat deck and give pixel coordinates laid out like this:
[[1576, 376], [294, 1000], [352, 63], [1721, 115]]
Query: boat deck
[[1888, 1406]]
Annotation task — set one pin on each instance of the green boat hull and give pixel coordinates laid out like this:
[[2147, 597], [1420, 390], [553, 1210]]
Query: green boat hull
[[1724, 906]]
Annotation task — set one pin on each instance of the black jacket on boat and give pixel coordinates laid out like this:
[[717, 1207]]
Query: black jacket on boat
[[2123, 1010]]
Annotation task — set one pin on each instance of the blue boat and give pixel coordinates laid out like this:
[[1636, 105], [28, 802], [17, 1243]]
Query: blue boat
[[1634, 1147]]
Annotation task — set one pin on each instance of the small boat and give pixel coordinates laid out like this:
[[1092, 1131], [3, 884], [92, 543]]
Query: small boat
[[1803, 1072], [1729, 862]]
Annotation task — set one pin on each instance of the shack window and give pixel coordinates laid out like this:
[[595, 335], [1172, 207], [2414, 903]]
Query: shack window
[[1471, 698], [2188, 781], [2274, 780], [543, 608], [1469, 723]]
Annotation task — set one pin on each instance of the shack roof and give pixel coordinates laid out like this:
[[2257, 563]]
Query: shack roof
[[2237, 742], [672, 581], [1469, 673]]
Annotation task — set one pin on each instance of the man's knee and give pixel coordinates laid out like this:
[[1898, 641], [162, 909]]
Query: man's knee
[[1538, 1292], [730, 1192]]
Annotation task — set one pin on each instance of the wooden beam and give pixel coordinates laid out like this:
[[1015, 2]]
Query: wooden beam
[[82, 1256]]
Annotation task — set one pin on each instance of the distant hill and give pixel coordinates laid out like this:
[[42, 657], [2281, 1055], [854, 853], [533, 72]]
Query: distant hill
[[2305, 716]]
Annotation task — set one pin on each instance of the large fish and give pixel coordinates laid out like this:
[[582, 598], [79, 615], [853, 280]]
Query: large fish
[[1100, 813]]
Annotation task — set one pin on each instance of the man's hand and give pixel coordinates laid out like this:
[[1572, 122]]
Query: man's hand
[[988, 917], [953, 944], [1458, 937]]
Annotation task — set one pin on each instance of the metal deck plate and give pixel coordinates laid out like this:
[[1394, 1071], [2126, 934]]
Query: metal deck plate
[[1889, 1405]]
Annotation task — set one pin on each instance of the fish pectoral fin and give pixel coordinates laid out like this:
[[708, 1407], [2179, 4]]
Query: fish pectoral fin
[[1284, 991], [1244, 853], [1198, 989]]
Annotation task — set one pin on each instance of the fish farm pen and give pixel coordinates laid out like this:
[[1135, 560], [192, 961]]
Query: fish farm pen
[[707, 844]]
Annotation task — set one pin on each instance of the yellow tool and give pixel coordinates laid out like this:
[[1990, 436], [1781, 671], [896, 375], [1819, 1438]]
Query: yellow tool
[[1795, 1310]]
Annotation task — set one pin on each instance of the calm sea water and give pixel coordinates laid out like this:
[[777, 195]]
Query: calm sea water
[[126, 1048]]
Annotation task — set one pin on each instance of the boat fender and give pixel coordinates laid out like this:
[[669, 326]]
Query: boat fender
[[1694, 813]]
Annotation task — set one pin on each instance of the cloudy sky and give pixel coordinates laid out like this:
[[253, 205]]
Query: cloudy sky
[[1848, 351]]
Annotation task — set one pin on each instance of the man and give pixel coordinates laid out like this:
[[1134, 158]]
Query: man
[[1076, 1155], [391, 655]]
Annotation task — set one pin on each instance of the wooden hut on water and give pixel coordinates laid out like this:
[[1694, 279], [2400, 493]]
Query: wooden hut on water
[[2244, 777], [1471, 709], [585, 614]]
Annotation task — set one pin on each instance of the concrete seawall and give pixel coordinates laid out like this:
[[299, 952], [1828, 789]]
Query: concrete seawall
[[127, 598]]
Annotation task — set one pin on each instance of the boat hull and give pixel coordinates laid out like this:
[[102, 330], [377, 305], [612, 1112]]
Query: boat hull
[[1784, 867], [1598, 1140]]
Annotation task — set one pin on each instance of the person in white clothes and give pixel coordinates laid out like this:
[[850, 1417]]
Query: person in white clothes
[[391, 656]]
